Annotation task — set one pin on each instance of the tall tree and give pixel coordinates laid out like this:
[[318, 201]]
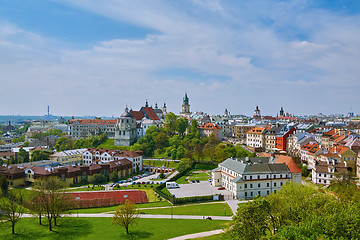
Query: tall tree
[[53, 199], [180, 125], [12, 209], [4, 185], [170, 120], [125, 215]]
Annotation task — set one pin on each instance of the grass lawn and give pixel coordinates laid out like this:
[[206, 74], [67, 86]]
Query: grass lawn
[[202, 176], [109, 144], [205, 166], [101, 228], [86, 189], [221, 236], [213, 209], [113, 208], [160, 163]]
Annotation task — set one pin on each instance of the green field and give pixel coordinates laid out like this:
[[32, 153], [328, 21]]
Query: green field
[[202, 176], [213, 209], [101, 228], [159, 163], [109, 144], [113, 208]]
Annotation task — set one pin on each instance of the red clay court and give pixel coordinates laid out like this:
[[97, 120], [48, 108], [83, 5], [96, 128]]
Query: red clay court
[[107, 198]]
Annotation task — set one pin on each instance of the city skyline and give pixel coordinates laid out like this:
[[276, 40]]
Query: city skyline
[[94, 58]]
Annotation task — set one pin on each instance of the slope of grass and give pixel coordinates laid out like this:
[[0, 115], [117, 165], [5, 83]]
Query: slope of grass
[[101, 228], [213, 209]]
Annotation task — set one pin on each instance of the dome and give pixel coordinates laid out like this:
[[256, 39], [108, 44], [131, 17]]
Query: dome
[[126, 114]]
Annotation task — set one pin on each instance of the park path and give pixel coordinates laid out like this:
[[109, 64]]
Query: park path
[[144, 216], [198, 235]]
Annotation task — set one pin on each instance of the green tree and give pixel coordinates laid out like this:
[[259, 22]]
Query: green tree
[[53, 199], [126, 215], [180, 125], [63, 143], [26, 144], [12, 209], [170, 120], [114, 177], [180, 152], [23, 155], [161, 140], [4, 185], [98, 178]]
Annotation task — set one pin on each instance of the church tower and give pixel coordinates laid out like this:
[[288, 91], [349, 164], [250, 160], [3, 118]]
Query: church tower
[[185, 107], [282, 112], [257, 114], [125, 133]]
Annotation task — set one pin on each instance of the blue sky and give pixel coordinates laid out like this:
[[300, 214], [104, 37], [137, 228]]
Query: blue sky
[[88, 57]]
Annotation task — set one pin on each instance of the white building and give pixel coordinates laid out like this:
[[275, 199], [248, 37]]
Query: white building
[[247, 178], [98, 156], [125, 133], [324, 171], [256, 137], [82, 128]]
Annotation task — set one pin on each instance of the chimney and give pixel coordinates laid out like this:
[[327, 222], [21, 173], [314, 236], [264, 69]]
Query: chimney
[[345, 163], [334, 162]]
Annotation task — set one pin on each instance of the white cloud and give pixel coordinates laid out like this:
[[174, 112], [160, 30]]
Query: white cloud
[[265, 63]]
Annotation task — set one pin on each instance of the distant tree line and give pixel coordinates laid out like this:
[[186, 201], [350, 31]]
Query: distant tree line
[[66, 143]]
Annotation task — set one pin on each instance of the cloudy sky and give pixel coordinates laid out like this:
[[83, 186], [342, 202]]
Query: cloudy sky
[[90, 57]]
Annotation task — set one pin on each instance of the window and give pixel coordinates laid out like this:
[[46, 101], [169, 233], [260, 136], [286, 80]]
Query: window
[[258, 176], [274, 191], [319, 174], [244, 177], [259, 193], [268, 184], [250, 177], [251, 185], [281, 183], [258, 184], [251, 193], [274, 184], [324, 175], [245, 194], [245, 185], [267, 192]]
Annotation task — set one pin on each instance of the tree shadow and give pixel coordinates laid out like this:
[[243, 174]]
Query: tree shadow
[[69, 228], [137, 234]]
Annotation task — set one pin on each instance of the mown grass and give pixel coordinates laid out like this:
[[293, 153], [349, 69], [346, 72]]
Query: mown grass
[[202, 176], [101, 228], [113, 208], [109, 144], [159, 163], [213, 209]]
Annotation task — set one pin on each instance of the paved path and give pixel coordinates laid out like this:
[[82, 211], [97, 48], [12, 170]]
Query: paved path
[[144, 216], [198, 235], [233, 204]]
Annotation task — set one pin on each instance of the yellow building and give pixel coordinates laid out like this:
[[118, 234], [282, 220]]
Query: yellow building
[[69, 157]]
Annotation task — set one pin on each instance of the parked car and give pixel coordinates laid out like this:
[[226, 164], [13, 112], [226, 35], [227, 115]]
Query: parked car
[[210, 180], [221, 188], [193, 181], [197, 180]]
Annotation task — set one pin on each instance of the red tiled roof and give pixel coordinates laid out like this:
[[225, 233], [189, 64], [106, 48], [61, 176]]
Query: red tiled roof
[[210, 126], [93, 121], [290, 163], [7, 154], [138, 115], [339, 149], [150, 113], [256, 130]]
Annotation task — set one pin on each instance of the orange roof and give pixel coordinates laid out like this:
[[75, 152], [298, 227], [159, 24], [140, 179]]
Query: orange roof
[[339, 149], [256, 130], [138, 115], [93, 121], [290, 163], [210, 126], [150, 113], [311, 147]]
